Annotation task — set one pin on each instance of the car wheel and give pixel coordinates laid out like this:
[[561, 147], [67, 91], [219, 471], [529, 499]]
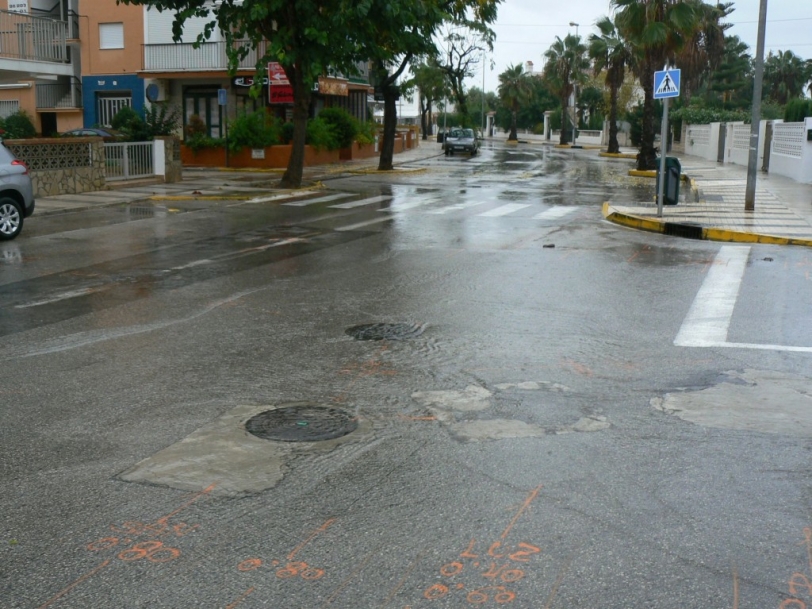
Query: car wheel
[[11, 218]]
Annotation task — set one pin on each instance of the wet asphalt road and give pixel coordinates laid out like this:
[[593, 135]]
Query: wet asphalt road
[[509, 453]]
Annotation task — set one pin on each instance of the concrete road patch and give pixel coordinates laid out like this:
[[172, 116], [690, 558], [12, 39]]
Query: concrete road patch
[[753, 400]]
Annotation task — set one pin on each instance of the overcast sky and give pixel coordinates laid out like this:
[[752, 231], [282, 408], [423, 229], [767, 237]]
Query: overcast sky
[[525, 29]]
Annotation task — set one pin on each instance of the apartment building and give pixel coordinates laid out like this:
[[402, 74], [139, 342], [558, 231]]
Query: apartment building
[[40, 63]]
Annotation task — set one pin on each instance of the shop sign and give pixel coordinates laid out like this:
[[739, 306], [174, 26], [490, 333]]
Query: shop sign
[[247, 81], [333, 86], [280, 94], [18, 6]]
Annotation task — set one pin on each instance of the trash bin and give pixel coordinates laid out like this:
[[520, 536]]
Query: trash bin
[[440, 136], [673, 169]]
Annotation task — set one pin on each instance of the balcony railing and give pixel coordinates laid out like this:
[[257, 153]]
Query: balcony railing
[[32, 38], [59, 95], [183, 56]]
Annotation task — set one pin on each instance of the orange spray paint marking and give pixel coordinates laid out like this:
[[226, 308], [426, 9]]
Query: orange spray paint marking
[[241, 599], [558, 580], [249, 564], [321, 529], [524, 506], [197, 496], [351, 576], [87, 575]]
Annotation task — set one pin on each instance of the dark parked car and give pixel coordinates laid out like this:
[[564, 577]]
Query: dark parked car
[[108, 135], [16, 194], [461, 140]]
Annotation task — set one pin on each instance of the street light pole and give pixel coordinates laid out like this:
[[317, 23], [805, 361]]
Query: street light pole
[[758, 79], [574, 98], [483, 93]]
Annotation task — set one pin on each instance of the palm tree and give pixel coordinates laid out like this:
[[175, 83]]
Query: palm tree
[[785, 76], [704, 48], [514, 88], [567, 64], [610, 53], [657, 30]]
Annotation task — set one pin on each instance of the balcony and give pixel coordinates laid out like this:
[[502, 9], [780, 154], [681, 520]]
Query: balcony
[[27, 38], [185, 57], [61, 96]]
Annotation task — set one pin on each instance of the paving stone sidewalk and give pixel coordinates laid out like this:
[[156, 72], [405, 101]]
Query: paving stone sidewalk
[[713, 207]]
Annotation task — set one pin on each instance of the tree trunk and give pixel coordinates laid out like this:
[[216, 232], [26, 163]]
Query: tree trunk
[[513, 135], [431, 120], [564, 120], [390, 124], [647, 157], [614, 147], [424, 110], [292, 178]]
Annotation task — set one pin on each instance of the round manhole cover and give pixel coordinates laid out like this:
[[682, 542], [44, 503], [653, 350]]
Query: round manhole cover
[[302, 423], [399, 331]]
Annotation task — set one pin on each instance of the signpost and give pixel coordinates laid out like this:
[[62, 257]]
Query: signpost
[[666, 86], [222, 101]]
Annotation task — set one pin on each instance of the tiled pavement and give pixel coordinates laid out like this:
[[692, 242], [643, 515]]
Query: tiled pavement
[[713, 207]]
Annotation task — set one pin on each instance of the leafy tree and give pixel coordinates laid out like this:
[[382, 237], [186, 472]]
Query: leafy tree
[[591, 106], [531, 112], [430, 83], [566, 67], [464, 47], [304, 36], [129, 122], [611, 53], [18, 126], [797, 110], [476, 101], [657, 31], [513, 90], [785, 76]]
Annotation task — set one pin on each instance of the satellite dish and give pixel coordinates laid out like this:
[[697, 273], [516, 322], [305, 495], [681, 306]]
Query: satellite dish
[[153, 92]]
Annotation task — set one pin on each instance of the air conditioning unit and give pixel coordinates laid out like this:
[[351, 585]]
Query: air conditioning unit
[[156, 89]]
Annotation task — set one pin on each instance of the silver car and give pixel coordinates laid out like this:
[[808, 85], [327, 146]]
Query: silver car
[[16, 194], [461, 140]]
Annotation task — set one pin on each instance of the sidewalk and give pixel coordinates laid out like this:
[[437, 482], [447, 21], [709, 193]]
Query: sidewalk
[[713, 207], [214, 184]]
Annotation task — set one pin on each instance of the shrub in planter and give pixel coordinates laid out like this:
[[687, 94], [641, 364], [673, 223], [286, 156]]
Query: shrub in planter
[[256, 130], [321, 135], [345, 126], [287, 133], [162, 119], [128, 121], [367, 132], [18, 126]]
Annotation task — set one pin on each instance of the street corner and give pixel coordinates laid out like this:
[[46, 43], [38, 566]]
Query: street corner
[[623, 217]]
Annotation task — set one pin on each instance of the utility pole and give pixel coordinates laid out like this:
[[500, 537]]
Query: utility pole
[[483, 93], [574, 98], [755, 120]]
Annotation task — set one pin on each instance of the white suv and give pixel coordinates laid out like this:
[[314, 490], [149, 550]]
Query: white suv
[[16, 194]]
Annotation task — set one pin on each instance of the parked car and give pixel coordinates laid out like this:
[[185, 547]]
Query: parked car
[[108, 135], [16, 194], [461, 140]]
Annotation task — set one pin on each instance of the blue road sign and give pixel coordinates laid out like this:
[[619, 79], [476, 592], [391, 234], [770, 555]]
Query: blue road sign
[[222, 97], [666, 84]]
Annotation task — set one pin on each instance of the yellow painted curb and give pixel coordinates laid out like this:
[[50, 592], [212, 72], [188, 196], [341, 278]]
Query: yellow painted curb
[[512, 142], [708, 234], [645, 173], [618, 155], [654, 226]]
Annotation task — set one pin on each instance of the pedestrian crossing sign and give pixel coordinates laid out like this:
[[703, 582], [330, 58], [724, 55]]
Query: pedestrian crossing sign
[[666, 84]]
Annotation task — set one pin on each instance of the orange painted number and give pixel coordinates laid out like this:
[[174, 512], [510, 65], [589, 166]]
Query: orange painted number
[[451, 569], [436, 591], [800, 580], [102, 544], [292, 569], [477, 597], [310, 573], [469, 551], [493, 572], [154, 551], [129, 528], [504, 596], [511, 575], [524, 554], [492, 549], [249, 564], [792, 602], [182, 528]]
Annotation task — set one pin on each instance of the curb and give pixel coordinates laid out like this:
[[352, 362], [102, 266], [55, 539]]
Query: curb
[[618, 155], [69, 210], [695, 231]]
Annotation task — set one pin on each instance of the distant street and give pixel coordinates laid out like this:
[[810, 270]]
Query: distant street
[[477, 393]]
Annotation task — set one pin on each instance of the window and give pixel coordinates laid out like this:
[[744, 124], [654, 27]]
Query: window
[[111, 35], [203, 103], [108, 106]]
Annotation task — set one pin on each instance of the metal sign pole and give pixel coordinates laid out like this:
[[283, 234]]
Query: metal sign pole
[[663, 148]]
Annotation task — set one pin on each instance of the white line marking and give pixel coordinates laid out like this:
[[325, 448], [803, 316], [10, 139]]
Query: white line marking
[[764, 347], [340, 195], [367, 223], [58, 297], [503, 210], [457, 207], [554, 213], [362, 202], [708, 319], [279, 197], [408, 206]]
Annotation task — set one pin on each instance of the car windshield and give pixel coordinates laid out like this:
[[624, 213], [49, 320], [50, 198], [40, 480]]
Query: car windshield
[[466, 133]]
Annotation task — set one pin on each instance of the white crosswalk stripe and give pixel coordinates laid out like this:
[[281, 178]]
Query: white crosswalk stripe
[[325, 199], [362, 202], [554, 213], [457, 207], [504, 210]]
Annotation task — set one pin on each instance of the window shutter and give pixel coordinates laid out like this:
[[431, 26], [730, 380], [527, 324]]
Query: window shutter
[[111, 35]]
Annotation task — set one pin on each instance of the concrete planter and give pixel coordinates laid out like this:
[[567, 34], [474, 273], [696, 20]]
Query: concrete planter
[[358, 151], [275, 157]]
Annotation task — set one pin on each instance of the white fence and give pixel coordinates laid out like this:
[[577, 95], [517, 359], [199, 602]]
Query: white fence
[[788, 146], [129, 160]]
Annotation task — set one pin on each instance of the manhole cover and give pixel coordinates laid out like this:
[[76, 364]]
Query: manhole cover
[[302, 423], [399, 331]]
